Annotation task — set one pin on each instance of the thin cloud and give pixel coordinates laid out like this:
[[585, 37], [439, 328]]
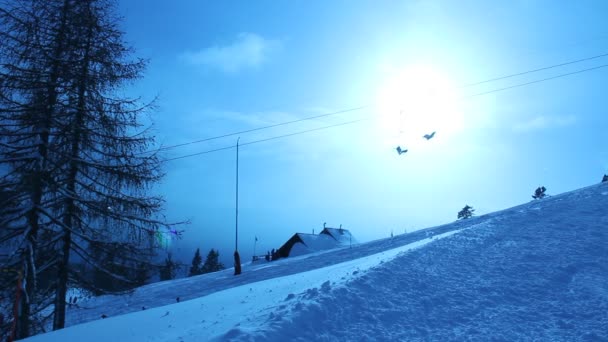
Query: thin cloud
[[248, 50], [544, 122]]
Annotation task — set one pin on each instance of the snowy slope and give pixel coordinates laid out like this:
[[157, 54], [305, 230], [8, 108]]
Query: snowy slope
[[538, 271]]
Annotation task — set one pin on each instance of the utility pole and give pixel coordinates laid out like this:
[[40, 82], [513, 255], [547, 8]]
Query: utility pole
[[237, 257], [236, 240], [255, 242]]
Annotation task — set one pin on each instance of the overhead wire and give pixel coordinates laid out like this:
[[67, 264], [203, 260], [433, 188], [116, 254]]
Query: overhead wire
[[533, 71], [538, 81], [271, 138], [367, 106], [261, 128], [164, 148]]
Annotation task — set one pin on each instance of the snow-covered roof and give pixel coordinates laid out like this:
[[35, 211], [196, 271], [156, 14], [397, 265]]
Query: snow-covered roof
[[303, 243], [342, 236], [312, 243], [317, 242]]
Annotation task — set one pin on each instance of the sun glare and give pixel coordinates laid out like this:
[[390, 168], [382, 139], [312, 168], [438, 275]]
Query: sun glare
[[415, 101]]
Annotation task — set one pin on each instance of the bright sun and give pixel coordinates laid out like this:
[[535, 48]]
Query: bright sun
[[415, 101]]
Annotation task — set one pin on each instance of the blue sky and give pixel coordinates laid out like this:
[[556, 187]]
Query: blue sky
[[223, 67]]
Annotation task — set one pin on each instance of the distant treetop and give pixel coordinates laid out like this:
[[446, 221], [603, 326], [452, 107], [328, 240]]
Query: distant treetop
[[466, 212]]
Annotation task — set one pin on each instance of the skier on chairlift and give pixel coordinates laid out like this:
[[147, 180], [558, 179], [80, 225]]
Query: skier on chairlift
[[400, 151]]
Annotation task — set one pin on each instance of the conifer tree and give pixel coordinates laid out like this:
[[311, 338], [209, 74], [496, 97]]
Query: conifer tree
[[197, 260], [212, 263], [72, 152], [169, 269], [142, 274], [466, 212], [30, 64]]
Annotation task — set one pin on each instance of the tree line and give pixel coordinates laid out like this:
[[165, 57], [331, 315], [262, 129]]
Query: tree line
[[170, 267]]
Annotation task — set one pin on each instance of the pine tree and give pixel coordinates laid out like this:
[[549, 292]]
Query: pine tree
[[72, 153], [195, 269], [27, 98], [539, 193], [115, 274], [212, 263], [142, 274], [169, 269], [466, 212], [31, 53]]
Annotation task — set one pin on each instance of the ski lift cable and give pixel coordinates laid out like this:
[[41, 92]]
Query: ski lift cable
[[368, 118], [164, 148], [534, 70], [537, 81], [271, 138], [261, 128]]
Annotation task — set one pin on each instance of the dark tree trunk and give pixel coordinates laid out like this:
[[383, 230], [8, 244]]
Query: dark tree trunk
[[38, 183], [237, 263], [71, 210]]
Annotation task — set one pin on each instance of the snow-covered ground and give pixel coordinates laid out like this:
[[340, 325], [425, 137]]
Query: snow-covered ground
[[538, 271]]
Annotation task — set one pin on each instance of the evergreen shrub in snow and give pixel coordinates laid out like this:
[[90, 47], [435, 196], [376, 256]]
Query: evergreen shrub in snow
[[466, 212]]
